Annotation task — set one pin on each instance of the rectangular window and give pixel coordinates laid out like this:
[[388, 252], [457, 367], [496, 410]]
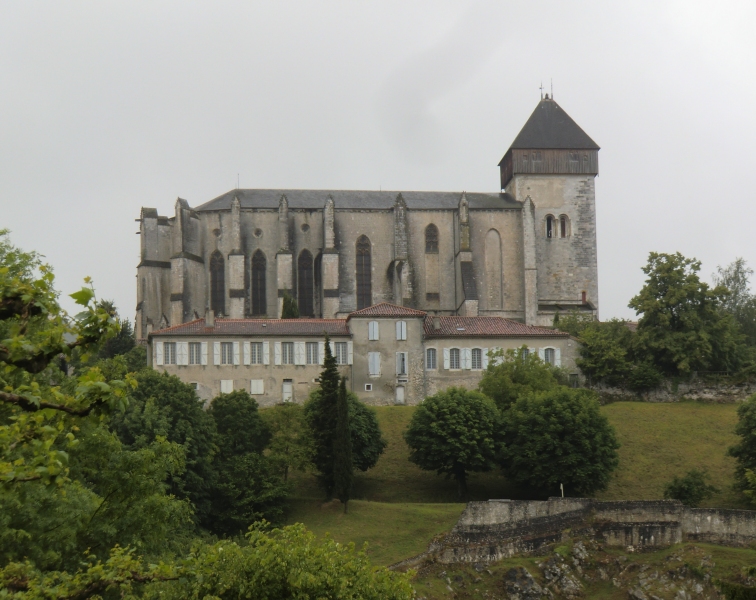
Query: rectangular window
[[401, 330], [195, 353], [454, 358], [312, 353], [256, 353], [373, 331], [401, 363], [169, 353], [341, 353], [368, 387], [524, 353], [574, 381], [288, 390], [287, 353], [477, 358], [430, 358], [227, 386], [374, 364], [256, 386], [227, 353], [548, 356]]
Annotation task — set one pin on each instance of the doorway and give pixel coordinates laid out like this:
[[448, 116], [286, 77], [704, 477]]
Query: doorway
[[399, 398]]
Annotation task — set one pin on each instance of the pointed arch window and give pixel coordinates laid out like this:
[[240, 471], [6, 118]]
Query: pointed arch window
[[431, 239], [364, 275], [217, 283], [305, 286], [259, 298]]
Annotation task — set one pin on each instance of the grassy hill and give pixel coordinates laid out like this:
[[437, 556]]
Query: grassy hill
[[399, 508]]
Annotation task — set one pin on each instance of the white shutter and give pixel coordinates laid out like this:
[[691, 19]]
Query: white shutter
[[404, 330], [158, 353], [182, 353], [247, 353], [350, 352], [203, 353], [333, 348], [321, 352], [401, 330], [398, 363], [557, 357], [374, 363], [227, 386], [277, 352], [236, 353], [299, 353], [216, 353], [542, 354], [465, 358], [266, 353], [446, 358], [256, 386], [485, 358]]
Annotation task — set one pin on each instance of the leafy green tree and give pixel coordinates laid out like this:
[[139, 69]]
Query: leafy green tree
[[605, 352], [454, 433], [683, 327], [164, 406], [121, 343], [343, 469], [691, 489], [245, 485], [291, 444], [558, 437], [744, 451], [740, 303], [514, 373], [290, 308]]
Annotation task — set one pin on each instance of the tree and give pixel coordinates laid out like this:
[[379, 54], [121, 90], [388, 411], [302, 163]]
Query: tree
[[245, 486], [683, 327], [343, 470], [605, 352], [164, 406], [558, 437], [290, 309], [744, 451], [740, 302], [454, 433], [121, 343], [291, 444], [691, 489], [514, 373]]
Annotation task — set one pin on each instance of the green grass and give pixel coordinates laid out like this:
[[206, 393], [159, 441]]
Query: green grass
[[398, 508]]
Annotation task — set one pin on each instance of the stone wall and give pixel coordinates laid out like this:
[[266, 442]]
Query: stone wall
[[490, 531], [700, 390]]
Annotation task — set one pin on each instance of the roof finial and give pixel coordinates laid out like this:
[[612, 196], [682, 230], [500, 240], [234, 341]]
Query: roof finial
[[541, 88]]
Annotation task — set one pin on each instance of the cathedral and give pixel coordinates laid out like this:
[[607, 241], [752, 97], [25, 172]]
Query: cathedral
[[524, 253]]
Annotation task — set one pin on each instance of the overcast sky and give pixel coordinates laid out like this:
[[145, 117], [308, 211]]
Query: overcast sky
[[110, 106]]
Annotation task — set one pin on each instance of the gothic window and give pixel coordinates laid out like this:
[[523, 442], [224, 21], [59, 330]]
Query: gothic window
[[259, 299], [364, 275], [431, 239], [305, 286], [217, 283]]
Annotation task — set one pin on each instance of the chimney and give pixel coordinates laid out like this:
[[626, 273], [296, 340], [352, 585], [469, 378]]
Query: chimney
[[210, 318], [436, 323]]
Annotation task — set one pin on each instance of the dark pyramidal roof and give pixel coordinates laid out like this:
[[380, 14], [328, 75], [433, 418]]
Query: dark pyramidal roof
[[549, 127]]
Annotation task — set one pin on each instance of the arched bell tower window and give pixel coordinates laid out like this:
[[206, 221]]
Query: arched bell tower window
[[305, 287], [259, 298], [564, 226], [551, 227], [364, 274], [217, 283], [431, 239]]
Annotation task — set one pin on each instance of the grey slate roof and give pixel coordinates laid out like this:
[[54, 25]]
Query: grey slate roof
[[549, 127], [356, 199]]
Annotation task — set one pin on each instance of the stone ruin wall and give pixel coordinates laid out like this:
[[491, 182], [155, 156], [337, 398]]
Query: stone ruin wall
[[497, 529]]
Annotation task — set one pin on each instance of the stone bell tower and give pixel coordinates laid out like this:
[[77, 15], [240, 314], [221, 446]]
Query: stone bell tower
[[551, 168]]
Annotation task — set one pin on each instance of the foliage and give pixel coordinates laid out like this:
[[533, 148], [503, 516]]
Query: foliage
[[691, 489], [239, 425], [605, 352], [291, 444], [454, 432], [290, 308], [683, 327], [121, 343], [558, 437], [516, 373], [164, 406], [343, 469], [745, 450], [740, 302]]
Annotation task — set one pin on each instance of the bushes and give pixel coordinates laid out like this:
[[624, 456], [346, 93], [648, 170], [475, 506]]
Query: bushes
[[691, 489]]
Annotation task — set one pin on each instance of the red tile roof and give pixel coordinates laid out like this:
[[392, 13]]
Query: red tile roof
[[268, 327], [485, 327], [386, 309]]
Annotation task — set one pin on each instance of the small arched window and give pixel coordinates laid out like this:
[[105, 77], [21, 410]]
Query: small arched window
[[564, 226], [550, 227], [364, 274], [217, 283], [259, 299], [305, 286], [431, 239]]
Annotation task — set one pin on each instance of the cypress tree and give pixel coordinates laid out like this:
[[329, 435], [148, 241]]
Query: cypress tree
[[321, 411], [342, 448], [290, 309]]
